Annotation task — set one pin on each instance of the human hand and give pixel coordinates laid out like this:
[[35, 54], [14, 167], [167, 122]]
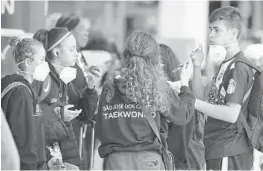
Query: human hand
[[94, 70], [176, 85], [186, 73], [197, 56], [70, 114], [56, 163], [93, 73]]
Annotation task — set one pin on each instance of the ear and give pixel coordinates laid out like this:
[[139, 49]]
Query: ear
[[56, 52], [235, 32], [28, 62]]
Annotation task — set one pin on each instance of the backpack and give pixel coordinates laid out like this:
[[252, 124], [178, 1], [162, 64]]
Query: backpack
[[253, 123], [13, 85], [44, 88]]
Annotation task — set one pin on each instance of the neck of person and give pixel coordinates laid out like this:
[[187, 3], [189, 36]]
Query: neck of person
[[58, 66], [28, 77], [232, 50]]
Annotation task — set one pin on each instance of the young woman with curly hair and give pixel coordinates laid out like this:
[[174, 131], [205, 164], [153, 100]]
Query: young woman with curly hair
[[127, 139]]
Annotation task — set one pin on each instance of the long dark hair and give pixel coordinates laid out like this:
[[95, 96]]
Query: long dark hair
[[170, 62]]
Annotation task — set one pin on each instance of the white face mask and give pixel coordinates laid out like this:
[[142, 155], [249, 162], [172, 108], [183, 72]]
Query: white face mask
[[40, 72], [217, 53], [67, 74]]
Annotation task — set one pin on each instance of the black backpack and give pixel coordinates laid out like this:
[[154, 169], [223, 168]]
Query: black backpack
[[43, 87], [253, 122]]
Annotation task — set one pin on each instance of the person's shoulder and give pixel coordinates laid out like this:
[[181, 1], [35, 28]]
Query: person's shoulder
[[244, 69], [19, 94], [242, 62], [22, 92]]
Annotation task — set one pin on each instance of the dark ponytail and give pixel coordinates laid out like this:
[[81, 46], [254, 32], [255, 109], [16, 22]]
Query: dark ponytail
[[42, 36]]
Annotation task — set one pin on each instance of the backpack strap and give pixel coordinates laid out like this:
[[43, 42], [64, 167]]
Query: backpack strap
[[242, 117], [13, 85], [152, 123]]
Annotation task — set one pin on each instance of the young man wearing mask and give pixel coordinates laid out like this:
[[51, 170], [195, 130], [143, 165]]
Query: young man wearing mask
[[226, 142]]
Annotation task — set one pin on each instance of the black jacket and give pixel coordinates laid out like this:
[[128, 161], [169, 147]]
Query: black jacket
[[19, 106], [122, 126], [56, 129]]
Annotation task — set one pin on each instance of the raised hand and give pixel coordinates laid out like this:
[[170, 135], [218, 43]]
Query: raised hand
[[197, 56], [92, 74], [186, 73]]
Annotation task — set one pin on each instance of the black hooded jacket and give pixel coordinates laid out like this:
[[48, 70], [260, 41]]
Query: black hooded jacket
[[26, 124], [56, 129], [122, 126]]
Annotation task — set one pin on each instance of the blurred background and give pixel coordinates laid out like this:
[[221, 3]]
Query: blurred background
[[181, 24]]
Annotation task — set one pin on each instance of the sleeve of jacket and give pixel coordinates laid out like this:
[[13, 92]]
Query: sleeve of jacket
[[86, 100], [102, 98], [21, 121], [89, 103], [182, 106]]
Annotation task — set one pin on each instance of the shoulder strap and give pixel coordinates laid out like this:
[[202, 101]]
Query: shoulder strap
[[151, 123], [243, 119], [226, 73], [12, 85]]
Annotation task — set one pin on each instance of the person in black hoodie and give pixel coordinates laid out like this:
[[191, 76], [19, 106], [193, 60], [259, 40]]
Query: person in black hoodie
[[79, 28], [127, 140], [60, 45], [19, 103]]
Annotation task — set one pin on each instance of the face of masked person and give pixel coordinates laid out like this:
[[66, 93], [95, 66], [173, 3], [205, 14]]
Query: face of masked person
[[37, 67], [67, 52], [221, 39]]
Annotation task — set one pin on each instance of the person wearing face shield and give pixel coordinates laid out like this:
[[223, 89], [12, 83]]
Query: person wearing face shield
[[60, 45], [226, 143], [19, 102]]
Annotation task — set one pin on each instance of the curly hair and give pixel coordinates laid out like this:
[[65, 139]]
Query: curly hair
[[143, 74]]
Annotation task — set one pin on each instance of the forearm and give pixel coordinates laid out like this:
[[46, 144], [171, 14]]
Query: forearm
[[221, 112], [89, 103], [197, 83], [182, 107]]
